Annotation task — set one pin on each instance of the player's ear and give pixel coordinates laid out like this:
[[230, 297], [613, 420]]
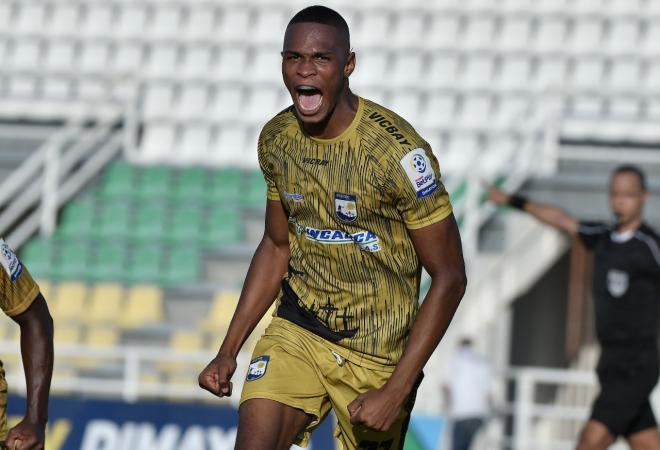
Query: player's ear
[[350, 65]]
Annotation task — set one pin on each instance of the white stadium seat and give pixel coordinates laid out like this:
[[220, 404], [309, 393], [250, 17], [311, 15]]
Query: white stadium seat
[[208, 73]]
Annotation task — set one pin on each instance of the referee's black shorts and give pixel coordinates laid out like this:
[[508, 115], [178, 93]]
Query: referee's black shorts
[[627, 376]]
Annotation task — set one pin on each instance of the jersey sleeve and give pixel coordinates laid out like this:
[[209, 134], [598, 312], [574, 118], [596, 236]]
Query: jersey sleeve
[[591, 233], [17, 288], [266, 166], [420, 196]]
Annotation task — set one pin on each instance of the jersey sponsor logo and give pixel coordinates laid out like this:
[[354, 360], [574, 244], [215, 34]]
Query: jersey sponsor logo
[[617, 282], [258, 367], [389, 127], [366, 240], [315, 161], [10, 261], [297, 198], [420, 172], [346, 207]]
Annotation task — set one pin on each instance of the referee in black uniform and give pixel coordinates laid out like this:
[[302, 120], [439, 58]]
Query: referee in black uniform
[[626, 288]]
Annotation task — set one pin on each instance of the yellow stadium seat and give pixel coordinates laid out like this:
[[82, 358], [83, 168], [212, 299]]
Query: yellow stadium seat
[[98, 338], [46, 289], [183, 341], [70, 302], [221, 312], [144, 306], [106, 304], [67, 334], [102, 337]]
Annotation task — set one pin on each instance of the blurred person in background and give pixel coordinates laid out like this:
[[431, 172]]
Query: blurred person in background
[[626, 291], [467, 394], [21, 300], [356, 207]]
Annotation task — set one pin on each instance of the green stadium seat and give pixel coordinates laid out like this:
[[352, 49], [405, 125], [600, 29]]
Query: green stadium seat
[[77, 219], [146, 264], [150, 223], [113, 221], [155, 183], [109, 263], [191, 185], [225, 188], [118, 181], [38, 256], [182, 266], [223, 227], [255, 193], [72, 261], [186, 225]]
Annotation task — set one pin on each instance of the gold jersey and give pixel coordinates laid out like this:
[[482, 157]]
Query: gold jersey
[[353, 275]]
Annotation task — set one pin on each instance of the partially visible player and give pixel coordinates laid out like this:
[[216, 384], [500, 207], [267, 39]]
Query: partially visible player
[[21, 300], [355, 209], [626, 288]]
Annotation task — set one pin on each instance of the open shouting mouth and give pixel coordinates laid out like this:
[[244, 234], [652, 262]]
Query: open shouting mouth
[[308, 99]]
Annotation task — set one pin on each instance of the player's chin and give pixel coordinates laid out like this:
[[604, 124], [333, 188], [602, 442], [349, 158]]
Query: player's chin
[[312, 119]]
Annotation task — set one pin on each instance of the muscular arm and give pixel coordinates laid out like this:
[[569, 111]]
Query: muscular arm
[[37, 351], [548, 214], [268, 266], [438, 247]]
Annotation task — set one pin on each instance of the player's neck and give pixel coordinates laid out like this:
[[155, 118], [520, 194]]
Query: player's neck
[[338, 120], [630, 225]]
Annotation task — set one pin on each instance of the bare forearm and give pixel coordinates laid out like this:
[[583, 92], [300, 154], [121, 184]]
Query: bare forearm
[[432, 322], [268, 266], [37, 354]]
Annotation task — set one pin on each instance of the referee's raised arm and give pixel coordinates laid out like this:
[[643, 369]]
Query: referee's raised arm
[[548, 214]]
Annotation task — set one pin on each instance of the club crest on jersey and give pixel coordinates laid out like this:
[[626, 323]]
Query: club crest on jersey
[[617, 282], [10, 261], [258, 367], [420, 172], [346, 207]]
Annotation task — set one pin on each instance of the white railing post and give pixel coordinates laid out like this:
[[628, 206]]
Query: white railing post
[[523, 402], [131, 375], [51, 169]]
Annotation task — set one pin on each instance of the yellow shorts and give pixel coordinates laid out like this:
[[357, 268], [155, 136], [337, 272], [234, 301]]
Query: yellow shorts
[[293, 366]]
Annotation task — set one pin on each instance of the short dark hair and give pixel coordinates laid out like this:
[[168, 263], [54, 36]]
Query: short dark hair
[[325, 16], [630, 168]]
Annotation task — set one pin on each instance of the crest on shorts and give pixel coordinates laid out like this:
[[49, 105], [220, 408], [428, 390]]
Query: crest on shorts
[[617, 283], [258, 367], [346, 207]]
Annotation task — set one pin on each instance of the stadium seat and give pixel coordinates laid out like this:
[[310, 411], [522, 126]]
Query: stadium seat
[[221, 311], [74, 259], [69, 302], [98, 337], [106, 304], [67, 334], [113, 221], [146, 263], [109, 263], [144, 306], [38, 256], [154, 182], [151, 219], [183, 265]]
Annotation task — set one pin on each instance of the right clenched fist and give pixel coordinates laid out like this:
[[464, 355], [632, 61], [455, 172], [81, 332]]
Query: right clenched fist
[[216, 377]]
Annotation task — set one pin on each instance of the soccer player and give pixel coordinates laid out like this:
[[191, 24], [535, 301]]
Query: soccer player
[[21, 300], [355, 209], [626, 288]]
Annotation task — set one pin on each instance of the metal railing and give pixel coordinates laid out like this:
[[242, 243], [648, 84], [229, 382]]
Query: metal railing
[[55, 172]]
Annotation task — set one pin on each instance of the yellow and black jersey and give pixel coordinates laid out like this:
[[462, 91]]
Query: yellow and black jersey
[[17, 288], [353, 274]]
